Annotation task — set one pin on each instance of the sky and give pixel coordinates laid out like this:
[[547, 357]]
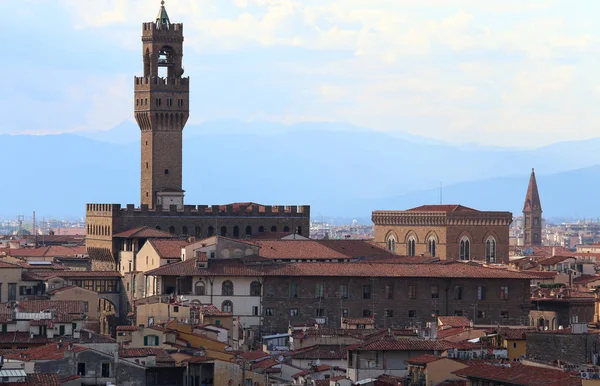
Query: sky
[[501, 73]]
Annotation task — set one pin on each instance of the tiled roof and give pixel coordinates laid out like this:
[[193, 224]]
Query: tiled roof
[[454, 321], [585, 279], [541, 274], [49, 352], [265, 364], [358, 320], [518, 374], [144, 232], [320, 352], [161, 355], [516, 333], [212, 310], [237, 268], [448, 332], [22, 337], [254, 355], [554, 260], [270, 235], [43, 379], [442, 208], [168, 249], [4, 264], [297, 249], [101, 254], [423, 360], [69, 378], [60, 306], [401, 345], [316, 369], [128, 328]]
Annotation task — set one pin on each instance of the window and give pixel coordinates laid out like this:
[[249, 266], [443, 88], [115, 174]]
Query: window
[[504, 314], [490, 250], [431, 246], [320, 290], [223, 231], [12, 292], [198, 231], [366, 313], [166, 171], [105, 370], [391, 244], [172, 229], [227, 288], [184, 230], [412, 313], [293, 312], [344, 291], [481, 292], [360, 326], [286, 228], [504, 293], [236, 231], [255, 288], [227, 306], [254, 310], [458, 292], [345, 312], [536, 221], [269, 312], [367, 291], [411, 246], [270, 291], [412, 292], [435, 292], [389, 292], [211, 231], [274, 228], [320, 312], [514, 345], [175, 308], [200, 289], [81, 369], [294, 289], [248, 231], [151, 340], [458, 313], [465, 248], [388, 313], [261, 229], [481, 314]]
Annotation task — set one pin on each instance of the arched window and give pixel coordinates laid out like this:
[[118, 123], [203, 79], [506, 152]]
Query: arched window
[[236, 231], [298, 230], [184, 230], [172, 229], [211, 231], [227, 288], [411, 246], [223, 231], [490, 250], [198, 231], [391, 243], [274, 228], [227, 306], [248, 231], [261, 229], [465, 248], [200, 289], [255, 288], [431, 246], [286, 228]]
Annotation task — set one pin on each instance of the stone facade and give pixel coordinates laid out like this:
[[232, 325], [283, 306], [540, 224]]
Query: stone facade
[[443, 231], [573, 348], [394, 302]]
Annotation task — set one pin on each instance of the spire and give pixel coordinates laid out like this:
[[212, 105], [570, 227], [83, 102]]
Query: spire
[[532, 199], [162, 19]]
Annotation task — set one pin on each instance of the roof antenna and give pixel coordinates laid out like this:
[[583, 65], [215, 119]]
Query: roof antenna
[[441, 192]]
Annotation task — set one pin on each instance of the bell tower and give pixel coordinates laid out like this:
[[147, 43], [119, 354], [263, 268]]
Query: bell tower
[[161, 111], [532, 214]]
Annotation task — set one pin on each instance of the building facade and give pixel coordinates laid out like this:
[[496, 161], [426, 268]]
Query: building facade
[[161, 105], [451, 232]]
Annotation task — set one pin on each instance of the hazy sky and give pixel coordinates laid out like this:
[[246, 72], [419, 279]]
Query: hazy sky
[[499, 72]]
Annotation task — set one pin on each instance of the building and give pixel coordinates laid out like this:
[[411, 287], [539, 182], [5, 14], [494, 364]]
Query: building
[[516, 374], [532, 213], [574, 345], [161, 105], [430, 369], [451, 232]]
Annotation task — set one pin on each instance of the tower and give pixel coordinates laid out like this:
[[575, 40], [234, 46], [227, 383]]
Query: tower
[[161, 111], [532, 214]]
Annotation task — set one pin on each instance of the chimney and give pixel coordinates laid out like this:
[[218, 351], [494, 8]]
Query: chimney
[[553, 251]]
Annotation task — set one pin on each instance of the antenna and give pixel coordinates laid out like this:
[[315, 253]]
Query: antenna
[[34, 231], [441, 192]]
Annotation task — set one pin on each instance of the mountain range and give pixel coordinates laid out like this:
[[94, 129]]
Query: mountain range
[[342, 171]]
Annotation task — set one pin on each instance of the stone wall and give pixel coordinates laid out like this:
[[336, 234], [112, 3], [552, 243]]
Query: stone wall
[[572, 348]]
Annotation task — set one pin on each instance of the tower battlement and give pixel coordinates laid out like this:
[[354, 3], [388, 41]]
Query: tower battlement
[[156, 83], [150, 29]]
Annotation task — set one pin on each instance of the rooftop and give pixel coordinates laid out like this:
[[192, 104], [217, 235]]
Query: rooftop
[[517, 374], [145, 233], [168, 249]]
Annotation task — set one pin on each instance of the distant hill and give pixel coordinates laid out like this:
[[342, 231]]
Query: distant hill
[[340, 170]]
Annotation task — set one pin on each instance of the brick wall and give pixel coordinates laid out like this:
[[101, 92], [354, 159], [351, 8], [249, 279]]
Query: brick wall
[[573, 348]]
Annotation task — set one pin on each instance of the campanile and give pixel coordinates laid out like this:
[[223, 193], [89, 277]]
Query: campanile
[[161, 110]]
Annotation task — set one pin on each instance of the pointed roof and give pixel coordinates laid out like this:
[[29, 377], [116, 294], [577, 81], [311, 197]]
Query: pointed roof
[[532, 199], [162, 19]]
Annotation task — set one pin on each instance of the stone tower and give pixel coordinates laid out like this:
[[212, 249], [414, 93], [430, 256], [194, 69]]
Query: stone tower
[[161, 111], [532, 214]]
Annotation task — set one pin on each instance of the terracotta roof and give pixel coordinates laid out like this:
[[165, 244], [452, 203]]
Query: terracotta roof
[[357, 269], [49, 352], [297, 249], [60, 306], [315, 369], [322, 352], [128, 328], [358, 320], [42, 379], [401, 345], [69, 378], [4, 264], [516, 333], [454, 321], [22, 337], [84, 274], [423, 360], [541, 274], [554, 260], [270, 235], [168, 249], [212, 310], [448, 332], [144, 232], [442, 208], [254, 355], [265, 364], [518, 374], [585, 279], [161, 355]]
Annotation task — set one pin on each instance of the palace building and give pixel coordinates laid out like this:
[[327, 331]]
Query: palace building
[[450, 232], [161, 105]]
